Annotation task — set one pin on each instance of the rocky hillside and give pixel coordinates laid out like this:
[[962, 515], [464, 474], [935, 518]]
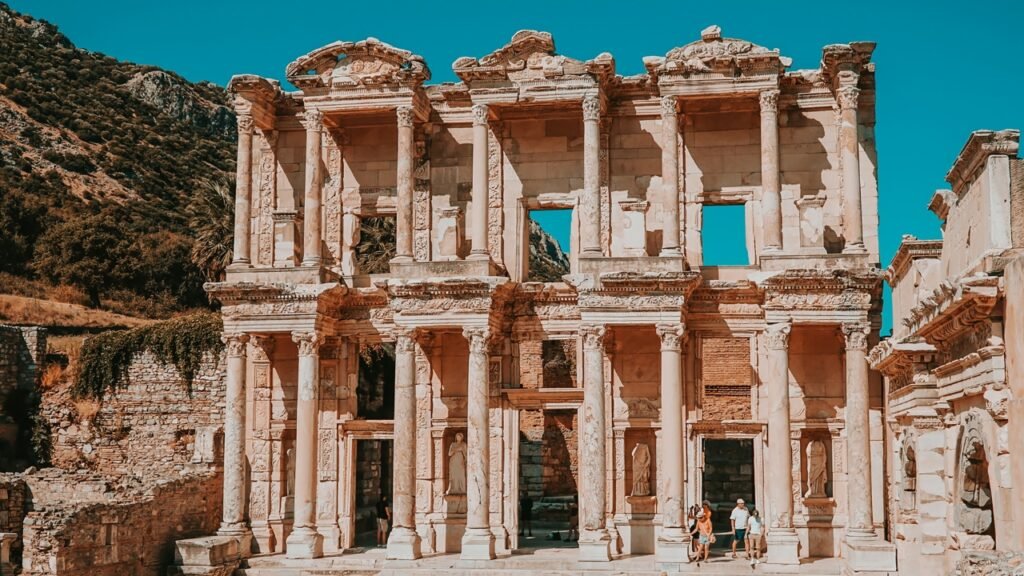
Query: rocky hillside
[[548, 263]]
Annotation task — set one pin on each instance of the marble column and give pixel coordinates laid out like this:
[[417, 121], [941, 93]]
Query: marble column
[[858, 433], [233, 521], [771, 188], [783, 544], [406, 151], [849, 148], [595, 542], [243, 192], [478, 542], [304, 541], [669, 177], [313, 122], [480, 183], [404, 541], [674, 541], [590, 205]]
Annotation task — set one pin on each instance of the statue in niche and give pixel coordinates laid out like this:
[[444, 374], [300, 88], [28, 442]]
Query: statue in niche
[[909, 497], [975, 489], [289, 472], [457, 466], [641, 470], [817, 469]]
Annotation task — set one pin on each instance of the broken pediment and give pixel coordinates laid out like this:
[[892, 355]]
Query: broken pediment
[[366, 63], [713, 53], [530, 56]]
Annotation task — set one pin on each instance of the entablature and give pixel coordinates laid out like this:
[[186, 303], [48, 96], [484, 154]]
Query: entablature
[[814, 296], [954, 308], [980, 145]]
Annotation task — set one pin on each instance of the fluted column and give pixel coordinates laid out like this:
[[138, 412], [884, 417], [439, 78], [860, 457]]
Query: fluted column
[[478, 542], [782, 539], [233, 521], [674, 541], [480, 183], [404, 541], [406, 151], [594, 539], [858, 433], [590, 207], [313, 122], [771, 189], [669, 177], [243, 192], [304, 541], [849, 148]]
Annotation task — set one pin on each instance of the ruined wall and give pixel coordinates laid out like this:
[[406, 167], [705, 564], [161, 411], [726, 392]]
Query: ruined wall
[[22, 353], [153, 427], [123, 533], [14, 502]]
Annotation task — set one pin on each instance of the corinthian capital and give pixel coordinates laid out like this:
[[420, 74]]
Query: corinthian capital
[[312, 119], [847, 96], [593, 335], [668, 107], [405, 339], [405, 116], [591, 108], [245, 123], [769, 100], [480, 114], [672, 335], [479, 339], [777, 335], [856, 335], [234, 342], [309, 342]]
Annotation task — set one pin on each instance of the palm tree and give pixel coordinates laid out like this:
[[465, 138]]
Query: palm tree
[[211, 218]]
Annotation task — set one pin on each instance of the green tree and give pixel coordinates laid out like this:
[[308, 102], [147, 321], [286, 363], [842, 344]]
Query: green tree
[[376, 245], [22, 218], [211, 218], [89, 253]]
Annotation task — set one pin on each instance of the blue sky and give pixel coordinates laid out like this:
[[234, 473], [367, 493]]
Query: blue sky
[[944, 68]]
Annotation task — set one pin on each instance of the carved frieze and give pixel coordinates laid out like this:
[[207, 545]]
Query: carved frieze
[[266, 200]]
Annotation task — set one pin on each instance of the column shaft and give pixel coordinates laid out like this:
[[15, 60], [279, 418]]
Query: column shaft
[[478, 542], [404, 542], [771, 190], [858, 432], [673, 544], [406, 151], [243, 192], [849, 145], [783, 543], [304, 541], [480, 183], [669, 177], [314, 183], [233, 518], [590, 206], [594, 539]]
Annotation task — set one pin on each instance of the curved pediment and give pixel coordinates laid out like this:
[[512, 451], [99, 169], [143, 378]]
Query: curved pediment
[[530, 56], [368, 62], [713, 53]]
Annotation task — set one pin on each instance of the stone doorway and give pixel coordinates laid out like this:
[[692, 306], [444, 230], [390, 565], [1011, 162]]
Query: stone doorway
[[373, 478], [548, 474], [728, 474]]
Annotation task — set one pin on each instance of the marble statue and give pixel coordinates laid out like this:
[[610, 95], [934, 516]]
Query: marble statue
[[641, 470], [457, 466], [817, 470]]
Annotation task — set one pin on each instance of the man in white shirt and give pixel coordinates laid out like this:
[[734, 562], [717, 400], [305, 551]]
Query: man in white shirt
[[738, 518]]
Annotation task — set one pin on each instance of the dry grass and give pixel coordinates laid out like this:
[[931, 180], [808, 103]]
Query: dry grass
[[25, 310]]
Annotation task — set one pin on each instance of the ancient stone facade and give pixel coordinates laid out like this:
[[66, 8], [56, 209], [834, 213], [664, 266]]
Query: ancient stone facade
[[670, 351], [954, 369]]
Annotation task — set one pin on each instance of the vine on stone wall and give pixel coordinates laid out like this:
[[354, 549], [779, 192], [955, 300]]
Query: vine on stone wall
[[181, 342]]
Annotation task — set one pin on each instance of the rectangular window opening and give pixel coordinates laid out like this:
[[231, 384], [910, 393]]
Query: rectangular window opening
[[724, 235], [377, 244], [549, 244]]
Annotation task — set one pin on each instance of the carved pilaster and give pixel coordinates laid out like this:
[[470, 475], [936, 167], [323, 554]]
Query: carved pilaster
[[333, 186], [266, 201], [421, 220], [495, 194]]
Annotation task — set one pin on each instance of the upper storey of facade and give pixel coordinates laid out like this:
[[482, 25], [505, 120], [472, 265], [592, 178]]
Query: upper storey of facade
[[638, 160]]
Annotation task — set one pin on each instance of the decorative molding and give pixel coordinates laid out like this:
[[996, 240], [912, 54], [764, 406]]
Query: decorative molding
[[235, 343]]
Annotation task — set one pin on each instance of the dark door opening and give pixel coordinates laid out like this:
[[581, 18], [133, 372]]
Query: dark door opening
[[728, 476], [373, 480], [548, 478]]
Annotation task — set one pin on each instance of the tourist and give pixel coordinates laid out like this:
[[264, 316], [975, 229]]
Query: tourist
[[525, 513], [383, 520], [738, 519], [754, 530], [574, 520], [691, 524], [705, 532]]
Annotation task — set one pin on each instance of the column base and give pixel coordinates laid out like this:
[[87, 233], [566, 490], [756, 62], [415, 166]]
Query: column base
[[242, 534], [670, 252], [855, 249], [477, 544], [304, 543], [868, 556], [783, 553], [672, 547], [403, 544], [595, 546]]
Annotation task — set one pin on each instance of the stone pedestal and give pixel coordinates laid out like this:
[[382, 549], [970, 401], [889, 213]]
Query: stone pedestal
[[874, 556], [783, 554]]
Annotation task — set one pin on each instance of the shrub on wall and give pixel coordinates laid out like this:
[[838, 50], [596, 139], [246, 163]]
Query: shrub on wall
[[182, 342]]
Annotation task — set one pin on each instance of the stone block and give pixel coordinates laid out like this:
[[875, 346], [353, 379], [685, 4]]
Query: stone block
[[206, 551]]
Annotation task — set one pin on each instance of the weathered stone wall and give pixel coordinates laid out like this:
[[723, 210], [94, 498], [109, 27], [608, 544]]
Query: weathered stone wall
[[549, 452], [124, 532], [14, 501], [22, 353], [153, 427]]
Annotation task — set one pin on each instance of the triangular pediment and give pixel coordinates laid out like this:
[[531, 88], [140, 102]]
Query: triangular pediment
[[368, 62], [714, 53]]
